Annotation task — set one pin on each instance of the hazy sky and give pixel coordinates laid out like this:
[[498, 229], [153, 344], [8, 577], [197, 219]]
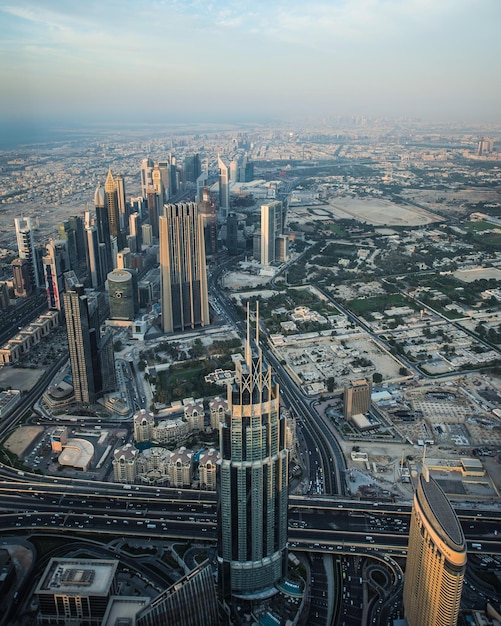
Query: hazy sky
[[248, 60]]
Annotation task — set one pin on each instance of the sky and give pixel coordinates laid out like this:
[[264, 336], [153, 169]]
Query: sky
[[158, 61]]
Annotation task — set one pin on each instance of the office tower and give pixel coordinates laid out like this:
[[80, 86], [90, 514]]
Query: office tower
[[268, 233], [103, 229], [164, 168], [107, 381], [224, 188], [357, 398], [252, 481], [146, 170], [191, 601], [183, 273], [123, 207], [147, 234], [157, 183], [201, 182], [92, 257], [153, 200], [55, 263], [21, 274], [192, 167], [111, 197], [72, 231], [234, 170], [82, 325], [485, 146], [208, 212], [4, 296], [76, 591], [135, 232], [26, 247], [124, 299], [436, 558], [173, 176], [232, 234], [246, 171]]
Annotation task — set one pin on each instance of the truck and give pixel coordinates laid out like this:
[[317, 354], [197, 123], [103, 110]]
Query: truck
[[477, 546], [369, 538], [151, 525]]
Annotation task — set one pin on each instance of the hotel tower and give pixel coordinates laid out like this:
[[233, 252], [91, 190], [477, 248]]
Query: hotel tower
[[436, 558], [252, 481]]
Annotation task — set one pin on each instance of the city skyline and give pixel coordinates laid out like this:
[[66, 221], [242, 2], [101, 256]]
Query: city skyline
[[433, 60]]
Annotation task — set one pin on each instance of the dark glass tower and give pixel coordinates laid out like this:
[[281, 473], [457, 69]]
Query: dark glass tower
[[252, 482]]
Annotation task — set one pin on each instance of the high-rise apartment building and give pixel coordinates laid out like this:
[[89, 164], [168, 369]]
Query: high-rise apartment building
[[252, 481], [224, 188], [183, 272], [436, 558], [26, 247]]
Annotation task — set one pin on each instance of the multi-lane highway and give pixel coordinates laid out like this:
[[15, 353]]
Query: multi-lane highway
[[315, 523]]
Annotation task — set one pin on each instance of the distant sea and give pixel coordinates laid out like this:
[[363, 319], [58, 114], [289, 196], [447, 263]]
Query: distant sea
[[16, 135]]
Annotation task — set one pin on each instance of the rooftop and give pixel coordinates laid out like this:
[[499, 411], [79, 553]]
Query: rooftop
[[76, 577]]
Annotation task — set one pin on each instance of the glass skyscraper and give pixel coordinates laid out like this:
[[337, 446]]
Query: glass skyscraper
[[252, 481]]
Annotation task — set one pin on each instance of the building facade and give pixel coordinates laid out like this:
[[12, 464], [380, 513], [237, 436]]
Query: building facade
[[252, 481], [436, 558], [191, 601], [183, 272], [357, 398]]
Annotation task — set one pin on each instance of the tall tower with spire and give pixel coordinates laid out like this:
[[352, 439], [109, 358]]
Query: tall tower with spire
[[252, 481], [103, 231]]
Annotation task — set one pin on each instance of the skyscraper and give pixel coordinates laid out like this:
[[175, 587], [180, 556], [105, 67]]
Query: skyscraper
[[183, 272], [267, 234], [55, 263], [82, 326], [252, 481], [146, 178], [123, 206], [190, 601], [192, 167], [21, 275], [436, 558], [26, 247], [111, 197], [103, 229], [208, 212], [224, 188]]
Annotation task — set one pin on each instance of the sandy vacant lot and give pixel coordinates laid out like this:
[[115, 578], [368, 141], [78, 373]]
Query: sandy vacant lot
[[19, 378], [21, 439]]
